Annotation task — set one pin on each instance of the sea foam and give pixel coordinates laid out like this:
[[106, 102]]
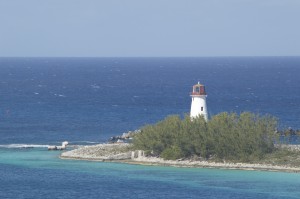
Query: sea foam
[[11, 146]]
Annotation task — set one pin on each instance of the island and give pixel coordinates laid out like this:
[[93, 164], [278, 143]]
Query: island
[[227, 140]]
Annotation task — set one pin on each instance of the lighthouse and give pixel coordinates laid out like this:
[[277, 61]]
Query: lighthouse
[[198, 106]]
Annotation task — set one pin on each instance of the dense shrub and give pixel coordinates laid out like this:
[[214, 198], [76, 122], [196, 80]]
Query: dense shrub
[[226, 136], [172, 153]]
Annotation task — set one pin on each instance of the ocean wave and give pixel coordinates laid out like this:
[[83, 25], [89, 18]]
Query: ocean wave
[[95, 86], [18, 146], [86, 142], [59, 95]]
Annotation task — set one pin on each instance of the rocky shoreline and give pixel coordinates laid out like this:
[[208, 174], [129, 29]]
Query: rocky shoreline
[[123, 153], [100, 152]]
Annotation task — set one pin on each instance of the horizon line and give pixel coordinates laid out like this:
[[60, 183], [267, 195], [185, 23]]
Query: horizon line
[[231, 56]]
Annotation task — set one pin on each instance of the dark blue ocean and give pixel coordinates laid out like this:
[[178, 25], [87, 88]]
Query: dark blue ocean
[[87, 100]]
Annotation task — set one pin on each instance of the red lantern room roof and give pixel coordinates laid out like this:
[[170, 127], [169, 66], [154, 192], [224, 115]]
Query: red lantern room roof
[[198, 89]]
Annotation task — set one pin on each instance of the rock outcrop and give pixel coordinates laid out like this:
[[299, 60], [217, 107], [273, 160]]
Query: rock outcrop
[[125, 137], [100, 152]]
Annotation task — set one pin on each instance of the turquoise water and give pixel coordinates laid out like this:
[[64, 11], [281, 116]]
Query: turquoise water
[[36, 173]]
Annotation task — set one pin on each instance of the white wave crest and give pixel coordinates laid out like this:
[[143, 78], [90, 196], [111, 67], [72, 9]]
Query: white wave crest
[[88, 142], [16, 146]]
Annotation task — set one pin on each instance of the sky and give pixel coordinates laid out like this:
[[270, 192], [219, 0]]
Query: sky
[[149, 28]]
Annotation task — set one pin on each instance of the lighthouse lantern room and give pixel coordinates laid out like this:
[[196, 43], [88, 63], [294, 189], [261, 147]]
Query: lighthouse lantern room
[[198, 106]]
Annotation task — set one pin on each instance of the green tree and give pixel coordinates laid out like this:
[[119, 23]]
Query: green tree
[[227, 136]]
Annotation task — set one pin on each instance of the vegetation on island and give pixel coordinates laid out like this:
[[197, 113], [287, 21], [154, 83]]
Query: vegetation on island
[[227, 136]]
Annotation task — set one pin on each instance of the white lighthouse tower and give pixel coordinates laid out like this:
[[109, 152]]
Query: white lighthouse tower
[[198, 106]]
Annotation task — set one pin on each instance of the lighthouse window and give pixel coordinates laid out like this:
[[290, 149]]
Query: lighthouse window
[[201, 108]]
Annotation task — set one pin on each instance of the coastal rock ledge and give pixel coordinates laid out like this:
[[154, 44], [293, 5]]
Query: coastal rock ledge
[[100, 152], [123, 152]]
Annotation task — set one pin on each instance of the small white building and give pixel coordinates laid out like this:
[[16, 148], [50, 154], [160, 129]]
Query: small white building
[[198, 106]]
